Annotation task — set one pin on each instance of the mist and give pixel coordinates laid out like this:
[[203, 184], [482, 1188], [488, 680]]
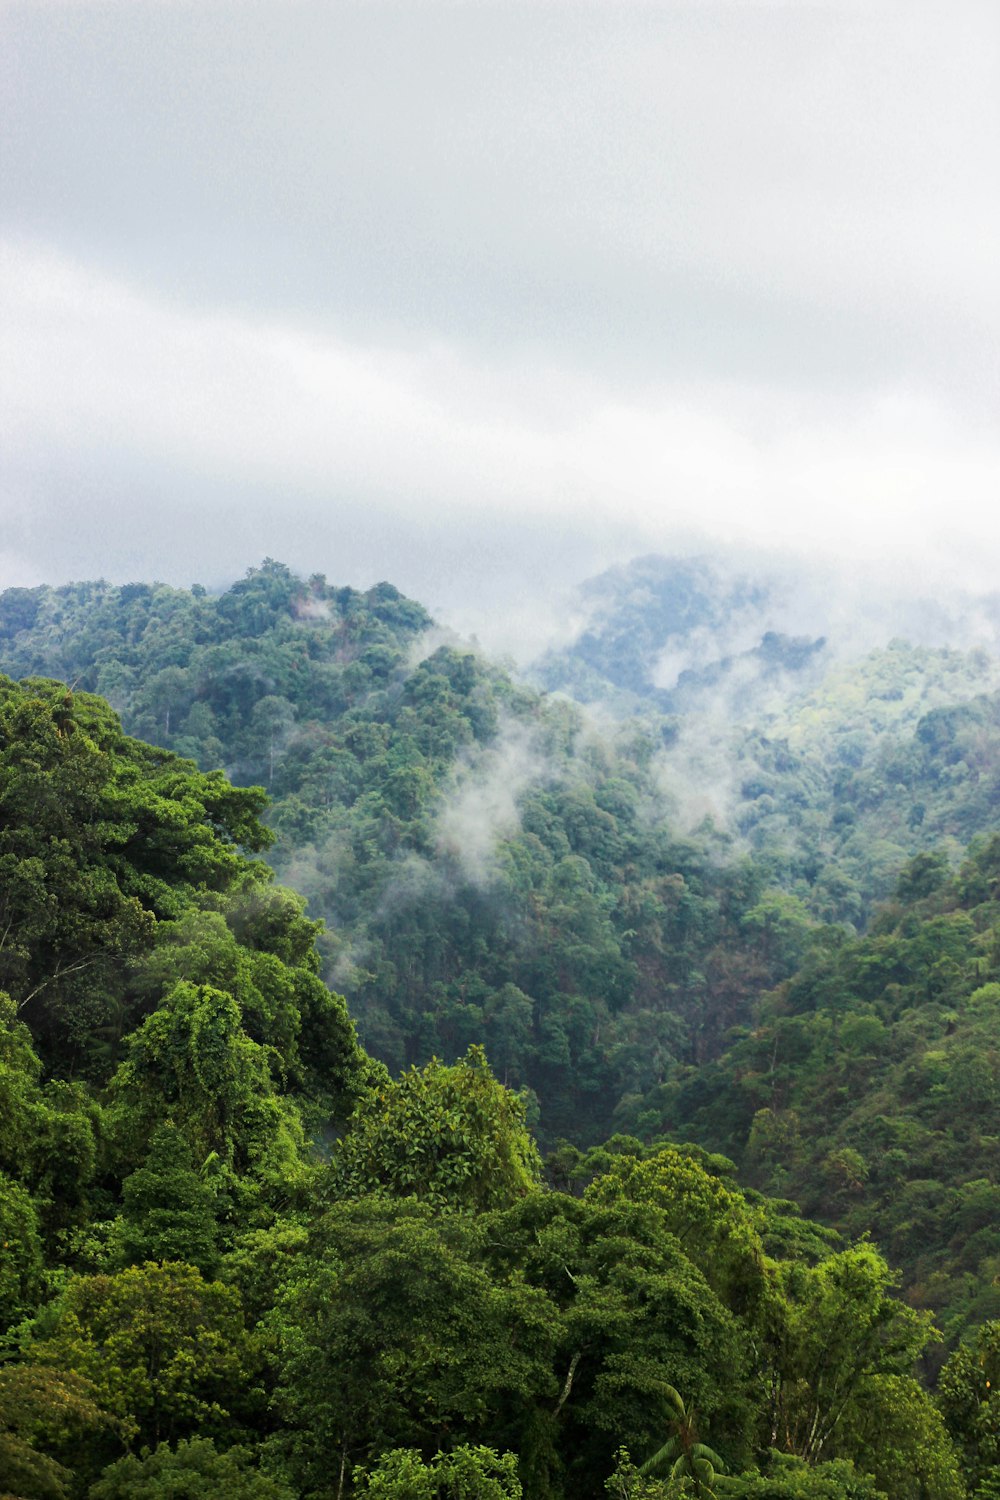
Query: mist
[[484, 300]]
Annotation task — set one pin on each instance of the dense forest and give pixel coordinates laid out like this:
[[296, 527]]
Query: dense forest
[[421, 1079]]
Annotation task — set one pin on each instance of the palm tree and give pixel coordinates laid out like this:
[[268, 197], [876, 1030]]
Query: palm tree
[[687, 1457]]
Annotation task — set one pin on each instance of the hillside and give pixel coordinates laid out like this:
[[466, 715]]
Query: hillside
[[596, 901], [196, 1300], [867, 1087], [495, 870], [491, 869]]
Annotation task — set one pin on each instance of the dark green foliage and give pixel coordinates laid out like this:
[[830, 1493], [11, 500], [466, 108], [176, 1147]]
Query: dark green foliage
[[632, 1315], [100, 837], [194, 1470], [47, 1135], [868, 1087], [405, 1302], [20, 1253], [896, 1431], [450, 1135], [165, 1351], [192, 1062], [392, 1333], [45, 1415], [969, 1396], [168, 1210]]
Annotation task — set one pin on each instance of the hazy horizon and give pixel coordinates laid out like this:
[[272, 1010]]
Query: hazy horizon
[[483, 299]]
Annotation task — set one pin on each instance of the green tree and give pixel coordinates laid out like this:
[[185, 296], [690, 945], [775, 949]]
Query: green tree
[[272, 723], [191, 1062], [451, 1135], [194, 1470], [786, 1477], [839, 1324], [168, 1210], [633, 1316], [99, 838], [716, 1227], [894, 1430], [44, 1415], [165, 696], [164, 1350], [683, 1453], [391, 1333], [47, 1143], [969, 1397], [20, 1253], [466, 1473]]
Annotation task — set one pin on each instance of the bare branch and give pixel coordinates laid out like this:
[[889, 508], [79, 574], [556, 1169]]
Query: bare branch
[[568, 1386]]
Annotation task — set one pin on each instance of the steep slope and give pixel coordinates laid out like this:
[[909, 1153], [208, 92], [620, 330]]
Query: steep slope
[[491, 869], [597, 906], [867, 1087]]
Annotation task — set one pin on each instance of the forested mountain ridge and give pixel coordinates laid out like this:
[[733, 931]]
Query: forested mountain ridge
[[596, 903], [195, 1301], [490, 869], [666, 632], [160, 1091], [834, 760], [868, 1086], [659, 629]]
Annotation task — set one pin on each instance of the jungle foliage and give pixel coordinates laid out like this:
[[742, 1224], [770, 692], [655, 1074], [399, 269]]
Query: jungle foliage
[[240, 1254]]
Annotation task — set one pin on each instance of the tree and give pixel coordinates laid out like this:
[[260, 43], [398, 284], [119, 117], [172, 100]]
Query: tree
[[165, 695], [894, 1430], [20, 1253], [168, 1210], [272, 722], [100, 837], [191, 1062], [785, 1477], [969, 1397], [391, 1333], [47, 1143], [687, 1457], [260, 949], [838, 1325], [715, 1225], [43, 1412], [633, 1316], [466, 1473], [164, 1350], [451, 1135], [194, 1470]]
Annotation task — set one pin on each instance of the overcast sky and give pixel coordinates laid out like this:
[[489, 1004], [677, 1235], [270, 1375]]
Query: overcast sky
[[483, 297]]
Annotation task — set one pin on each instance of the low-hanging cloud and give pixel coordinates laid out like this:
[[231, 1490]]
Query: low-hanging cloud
[[702, 773], [334, 438], [481, 803]]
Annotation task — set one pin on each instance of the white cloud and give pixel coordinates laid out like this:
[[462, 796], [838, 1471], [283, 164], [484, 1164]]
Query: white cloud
[[100, 375], [483, 297], [481, 803]]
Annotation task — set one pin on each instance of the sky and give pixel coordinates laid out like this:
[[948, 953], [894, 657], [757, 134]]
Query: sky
[[483, 298]]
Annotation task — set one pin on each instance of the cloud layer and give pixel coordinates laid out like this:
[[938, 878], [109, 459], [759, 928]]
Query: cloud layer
[[482, 298]]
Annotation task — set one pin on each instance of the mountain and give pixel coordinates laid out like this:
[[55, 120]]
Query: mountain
[[197, 1294], [489, 867], [585, 897], [659, 629]]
